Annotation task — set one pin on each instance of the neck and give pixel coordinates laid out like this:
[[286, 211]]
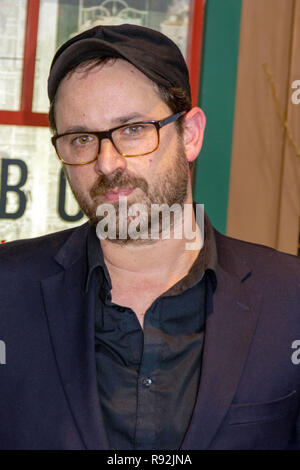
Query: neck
[[156, 262]]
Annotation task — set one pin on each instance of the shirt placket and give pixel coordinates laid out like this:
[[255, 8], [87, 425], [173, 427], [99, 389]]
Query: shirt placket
[[146, 416]]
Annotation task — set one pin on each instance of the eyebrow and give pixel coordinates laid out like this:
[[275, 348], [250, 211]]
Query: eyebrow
[[115, 122]]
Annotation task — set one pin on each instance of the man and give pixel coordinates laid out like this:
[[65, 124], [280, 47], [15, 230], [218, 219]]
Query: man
[[133, 342]]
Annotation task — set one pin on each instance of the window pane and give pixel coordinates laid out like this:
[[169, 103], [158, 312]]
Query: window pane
[[12, 33], [30, 185], [46, 47]]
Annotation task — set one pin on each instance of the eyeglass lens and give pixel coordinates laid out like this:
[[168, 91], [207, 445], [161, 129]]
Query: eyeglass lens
[[135, 140]]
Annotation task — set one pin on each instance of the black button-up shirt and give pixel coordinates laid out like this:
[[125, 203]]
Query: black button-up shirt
[[148, 378]]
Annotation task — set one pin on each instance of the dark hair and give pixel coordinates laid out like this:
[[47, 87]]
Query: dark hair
[[176, 98]]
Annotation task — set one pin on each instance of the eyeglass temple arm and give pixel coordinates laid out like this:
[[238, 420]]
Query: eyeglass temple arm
[[170, 119]]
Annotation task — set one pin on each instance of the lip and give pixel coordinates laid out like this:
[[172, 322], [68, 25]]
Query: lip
[[114, 194]]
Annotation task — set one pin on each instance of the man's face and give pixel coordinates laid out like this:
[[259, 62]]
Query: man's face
[[107, 96]]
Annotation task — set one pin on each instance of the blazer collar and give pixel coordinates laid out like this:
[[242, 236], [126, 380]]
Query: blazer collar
[[74, 247]]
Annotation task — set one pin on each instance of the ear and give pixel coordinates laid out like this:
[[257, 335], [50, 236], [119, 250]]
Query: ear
[[193, 132]]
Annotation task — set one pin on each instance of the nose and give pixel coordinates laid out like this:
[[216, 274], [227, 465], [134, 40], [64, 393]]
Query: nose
[[109, 160]]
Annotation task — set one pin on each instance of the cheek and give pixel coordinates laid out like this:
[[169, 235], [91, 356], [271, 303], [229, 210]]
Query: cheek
[[141, 166], [157, 161], [168, 146], [80, 178]]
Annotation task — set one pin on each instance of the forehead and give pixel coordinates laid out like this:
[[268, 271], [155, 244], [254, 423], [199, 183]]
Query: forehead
[[98, 98], [116, 81]]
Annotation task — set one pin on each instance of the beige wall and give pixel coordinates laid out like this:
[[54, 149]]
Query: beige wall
[[264, 198]]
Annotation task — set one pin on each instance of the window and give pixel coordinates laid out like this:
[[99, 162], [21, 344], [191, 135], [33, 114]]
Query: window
[[34, 197]]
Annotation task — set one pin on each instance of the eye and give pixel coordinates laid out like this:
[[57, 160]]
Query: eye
[[82, 140], [133, 130]]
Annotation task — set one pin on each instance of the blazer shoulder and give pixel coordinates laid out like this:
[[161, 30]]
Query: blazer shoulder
[[34, 253], [259, 258], [52, 241]]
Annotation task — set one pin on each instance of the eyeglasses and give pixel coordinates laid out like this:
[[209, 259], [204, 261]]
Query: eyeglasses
[[130, 140]]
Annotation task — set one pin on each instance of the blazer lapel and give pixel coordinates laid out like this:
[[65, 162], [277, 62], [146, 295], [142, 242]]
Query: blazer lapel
[[70, 313], [229, 332]]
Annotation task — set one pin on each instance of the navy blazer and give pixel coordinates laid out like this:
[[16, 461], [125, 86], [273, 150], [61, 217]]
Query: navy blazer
[[249, 393]]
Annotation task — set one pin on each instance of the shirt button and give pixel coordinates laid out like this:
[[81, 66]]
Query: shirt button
[[147, 382]]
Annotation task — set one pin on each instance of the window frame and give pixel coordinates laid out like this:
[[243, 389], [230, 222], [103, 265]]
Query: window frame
[[26, 117]]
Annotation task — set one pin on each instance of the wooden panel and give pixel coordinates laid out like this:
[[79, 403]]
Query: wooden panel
[[259, 137], [289, 208]]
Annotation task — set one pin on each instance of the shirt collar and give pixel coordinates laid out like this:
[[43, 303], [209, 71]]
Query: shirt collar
[[205, 263], [95, 257]]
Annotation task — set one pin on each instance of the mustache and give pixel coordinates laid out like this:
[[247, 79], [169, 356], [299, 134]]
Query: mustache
[[118, 179]]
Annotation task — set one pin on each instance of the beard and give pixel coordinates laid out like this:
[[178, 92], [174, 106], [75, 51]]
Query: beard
[[169, 188]]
